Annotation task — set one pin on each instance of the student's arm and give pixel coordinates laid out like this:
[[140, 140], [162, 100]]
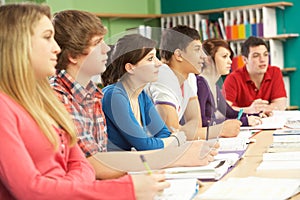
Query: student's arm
[[104, 171], [168, 115], [192, 153], [192, 117], [117, 109], [278, 104]]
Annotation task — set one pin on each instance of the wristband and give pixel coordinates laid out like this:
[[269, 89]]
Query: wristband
[[176, 139]]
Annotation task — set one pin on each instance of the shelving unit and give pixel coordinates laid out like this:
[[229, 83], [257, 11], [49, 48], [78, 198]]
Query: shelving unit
[[235, 24]]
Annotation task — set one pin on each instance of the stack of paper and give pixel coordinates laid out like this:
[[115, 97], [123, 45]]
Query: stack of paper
[[280, 161], [285, 140], [253, 188]]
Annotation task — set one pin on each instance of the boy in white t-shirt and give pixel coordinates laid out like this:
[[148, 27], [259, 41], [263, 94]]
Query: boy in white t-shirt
[[174, 93]]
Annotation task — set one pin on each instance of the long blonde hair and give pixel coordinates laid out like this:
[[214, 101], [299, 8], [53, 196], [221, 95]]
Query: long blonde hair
[[17, 77]]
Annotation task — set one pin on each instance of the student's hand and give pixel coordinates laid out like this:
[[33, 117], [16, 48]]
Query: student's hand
[[254, 120], [198, 153], [147, 186], [258, 105], [176, 139], [214, 145], [266, 113], [231, 128]]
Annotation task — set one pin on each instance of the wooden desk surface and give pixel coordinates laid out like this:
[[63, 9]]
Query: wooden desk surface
[[252, 158]]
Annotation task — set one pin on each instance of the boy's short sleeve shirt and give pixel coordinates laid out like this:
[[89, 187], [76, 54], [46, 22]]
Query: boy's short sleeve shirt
[[167, 90], [241, 91]]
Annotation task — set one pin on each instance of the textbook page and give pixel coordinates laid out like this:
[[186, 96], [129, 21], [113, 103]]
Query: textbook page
[[180, 189], [253, 188]]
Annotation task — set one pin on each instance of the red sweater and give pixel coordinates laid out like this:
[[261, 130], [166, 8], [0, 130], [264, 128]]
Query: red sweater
[[31, 169]]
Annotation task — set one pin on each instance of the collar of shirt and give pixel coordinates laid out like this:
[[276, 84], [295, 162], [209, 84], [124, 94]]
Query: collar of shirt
[[267, 75], [77, 90]]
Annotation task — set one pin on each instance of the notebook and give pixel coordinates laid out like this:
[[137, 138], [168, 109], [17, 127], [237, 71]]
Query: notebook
[[213, 171], [180, 189]]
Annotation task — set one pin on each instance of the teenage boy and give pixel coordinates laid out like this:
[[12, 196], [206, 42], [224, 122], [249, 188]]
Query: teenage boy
[[257, 87], [175, 93]]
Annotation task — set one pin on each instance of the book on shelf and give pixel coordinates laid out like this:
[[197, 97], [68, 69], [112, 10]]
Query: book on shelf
[[227, 24], [234, 25], [259, 23], [253, 22], [247, 24], [222, 28], [241, 25], [269, 21], [276, 53]]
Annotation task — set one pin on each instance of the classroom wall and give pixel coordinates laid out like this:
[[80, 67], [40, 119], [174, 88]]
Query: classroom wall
[[115, 25], [287, 22]]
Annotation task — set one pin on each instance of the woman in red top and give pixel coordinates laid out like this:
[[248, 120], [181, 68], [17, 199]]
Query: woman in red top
[[39, 156]]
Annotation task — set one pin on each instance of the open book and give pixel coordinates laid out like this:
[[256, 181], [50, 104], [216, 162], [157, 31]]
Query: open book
[[213, 171]]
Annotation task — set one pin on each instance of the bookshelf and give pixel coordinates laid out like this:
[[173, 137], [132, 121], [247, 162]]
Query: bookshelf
[[235, 24]]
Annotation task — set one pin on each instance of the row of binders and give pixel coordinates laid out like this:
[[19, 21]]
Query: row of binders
[[236, 24]]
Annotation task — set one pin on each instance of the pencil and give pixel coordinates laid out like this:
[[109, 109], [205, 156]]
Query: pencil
[[146, 164]]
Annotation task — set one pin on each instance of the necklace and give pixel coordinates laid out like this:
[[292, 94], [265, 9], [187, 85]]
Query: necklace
[[133, 95]]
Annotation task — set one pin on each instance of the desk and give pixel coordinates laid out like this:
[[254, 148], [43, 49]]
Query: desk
[[252, 158]]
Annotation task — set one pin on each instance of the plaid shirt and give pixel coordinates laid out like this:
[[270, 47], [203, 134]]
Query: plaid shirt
[[84, 104]]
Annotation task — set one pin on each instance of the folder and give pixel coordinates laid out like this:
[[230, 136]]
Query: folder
[[269, 22], [205, 29], [276, 53], [253, 22], [222, 28], [247, 24], [240, 24], [198, 26], [234, 27], [259, 24], [227, 24]]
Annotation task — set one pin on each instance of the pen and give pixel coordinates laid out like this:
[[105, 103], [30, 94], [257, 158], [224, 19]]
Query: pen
[[145, 164], [240, 113], [207, 129]]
